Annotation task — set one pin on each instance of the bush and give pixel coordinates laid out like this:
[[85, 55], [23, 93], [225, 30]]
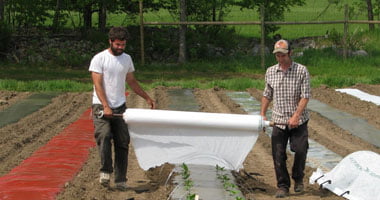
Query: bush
[[5, 38]]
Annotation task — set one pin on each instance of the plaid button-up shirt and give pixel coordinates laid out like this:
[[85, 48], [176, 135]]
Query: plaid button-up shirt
[[286, 88]]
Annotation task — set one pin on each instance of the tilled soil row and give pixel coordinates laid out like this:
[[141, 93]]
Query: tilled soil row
[[7, 98], [257, 180], [19, 140]]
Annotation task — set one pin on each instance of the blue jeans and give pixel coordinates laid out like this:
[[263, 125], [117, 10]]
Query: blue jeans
[[112, 129]]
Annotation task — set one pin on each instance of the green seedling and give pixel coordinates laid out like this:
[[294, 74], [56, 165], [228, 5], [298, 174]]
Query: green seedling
[[188, 183], [226, 181]]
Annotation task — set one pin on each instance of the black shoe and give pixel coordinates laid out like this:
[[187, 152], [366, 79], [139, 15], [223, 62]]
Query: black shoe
[[282, 193], [121, 186], [298, 187]]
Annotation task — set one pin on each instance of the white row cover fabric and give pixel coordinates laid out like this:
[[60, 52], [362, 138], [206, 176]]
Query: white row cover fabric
[[356, 177], [162, 136], [361, 95]]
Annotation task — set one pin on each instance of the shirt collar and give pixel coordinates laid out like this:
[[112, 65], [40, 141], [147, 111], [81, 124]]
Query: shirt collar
[[278, 68]]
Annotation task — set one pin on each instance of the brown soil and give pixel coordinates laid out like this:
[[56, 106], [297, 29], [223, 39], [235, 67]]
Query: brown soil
[[7, 98], [256, 180], [371, 89]]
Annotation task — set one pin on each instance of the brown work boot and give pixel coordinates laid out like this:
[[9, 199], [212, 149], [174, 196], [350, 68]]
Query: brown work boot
[[282, 193], [298, 186]]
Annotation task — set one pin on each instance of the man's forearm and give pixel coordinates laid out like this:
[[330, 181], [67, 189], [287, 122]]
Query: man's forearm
[[138, 90], [301, 106], [264, 106]]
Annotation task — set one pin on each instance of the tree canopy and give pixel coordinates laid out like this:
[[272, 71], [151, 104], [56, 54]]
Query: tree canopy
[[26, 13]]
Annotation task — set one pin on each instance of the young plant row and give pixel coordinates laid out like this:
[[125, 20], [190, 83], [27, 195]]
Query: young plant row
[[188, 182], [227, 183]]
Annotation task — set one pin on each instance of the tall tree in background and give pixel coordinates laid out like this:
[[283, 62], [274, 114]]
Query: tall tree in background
[[102, 21], [274, 10], [87, 15], [182, 32], [57, 15], [359, 7], [2, 4], [370, 14]]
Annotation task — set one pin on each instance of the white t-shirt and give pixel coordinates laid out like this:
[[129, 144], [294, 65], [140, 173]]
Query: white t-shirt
[[114, 70]]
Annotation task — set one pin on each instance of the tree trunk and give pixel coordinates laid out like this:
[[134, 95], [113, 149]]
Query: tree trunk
[[214, 10], [57, 16], [87, 16], [370, 15], [102, 16], [182, 32], [2, 10]]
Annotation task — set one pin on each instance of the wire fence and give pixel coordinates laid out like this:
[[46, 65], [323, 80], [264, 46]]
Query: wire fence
[[318, 24]]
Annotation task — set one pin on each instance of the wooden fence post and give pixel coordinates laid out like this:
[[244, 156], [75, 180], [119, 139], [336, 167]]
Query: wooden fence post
[[142, 48], [345, 34], [262, 44], [182, 32]]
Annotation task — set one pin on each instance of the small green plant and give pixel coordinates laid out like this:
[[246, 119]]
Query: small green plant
[[188, 183], [228, 185]]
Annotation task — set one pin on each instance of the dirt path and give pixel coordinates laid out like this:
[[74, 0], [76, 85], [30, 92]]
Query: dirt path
[[256, 180]]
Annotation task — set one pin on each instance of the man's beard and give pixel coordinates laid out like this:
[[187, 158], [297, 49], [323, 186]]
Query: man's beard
[[116, 52]]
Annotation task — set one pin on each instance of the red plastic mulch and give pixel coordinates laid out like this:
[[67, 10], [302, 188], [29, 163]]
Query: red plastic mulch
[[44, 174]]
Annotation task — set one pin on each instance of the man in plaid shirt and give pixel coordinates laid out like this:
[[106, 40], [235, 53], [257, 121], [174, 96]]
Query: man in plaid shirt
[[287, 84]]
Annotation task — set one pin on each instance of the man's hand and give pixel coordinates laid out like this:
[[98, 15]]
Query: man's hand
[[152, 103], [107, 112], [293, 121]]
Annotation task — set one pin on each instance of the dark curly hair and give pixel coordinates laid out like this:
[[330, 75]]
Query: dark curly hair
[[118, 33]]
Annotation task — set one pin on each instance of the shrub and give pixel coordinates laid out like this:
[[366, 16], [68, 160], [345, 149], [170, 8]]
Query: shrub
[[5, 38]]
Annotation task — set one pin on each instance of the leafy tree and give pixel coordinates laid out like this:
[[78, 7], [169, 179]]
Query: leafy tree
[[26, 13], [274, 9], [200, 10]]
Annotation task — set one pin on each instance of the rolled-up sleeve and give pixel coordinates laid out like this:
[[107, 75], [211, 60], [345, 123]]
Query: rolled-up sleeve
[[305, 85], [268, 90]]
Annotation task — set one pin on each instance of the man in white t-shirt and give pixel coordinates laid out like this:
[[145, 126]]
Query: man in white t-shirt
[[110, 69]]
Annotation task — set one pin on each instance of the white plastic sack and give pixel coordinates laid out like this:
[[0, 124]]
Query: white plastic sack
[[177, 137], [356, 177], [361, 95]]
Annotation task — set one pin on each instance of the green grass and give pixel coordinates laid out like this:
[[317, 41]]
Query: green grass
[[44, 86], [329, 69], [325, 67], [313, 10]]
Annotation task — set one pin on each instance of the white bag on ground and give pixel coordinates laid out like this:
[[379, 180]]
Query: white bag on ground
[[160, 136], [356, 177]]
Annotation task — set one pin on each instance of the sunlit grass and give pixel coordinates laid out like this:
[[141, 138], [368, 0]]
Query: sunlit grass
[[313, 10], [44, 86]]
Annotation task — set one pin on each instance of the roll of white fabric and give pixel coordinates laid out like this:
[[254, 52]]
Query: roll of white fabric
[[356, 177], [177, 137]]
